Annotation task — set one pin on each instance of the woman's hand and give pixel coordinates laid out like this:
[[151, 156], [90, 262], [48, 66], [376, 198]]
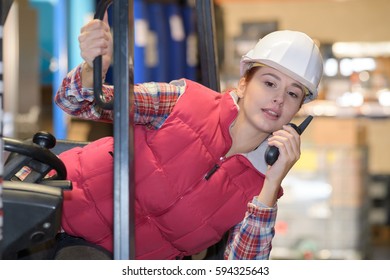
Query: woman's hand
[[95, 39], [288, 141]]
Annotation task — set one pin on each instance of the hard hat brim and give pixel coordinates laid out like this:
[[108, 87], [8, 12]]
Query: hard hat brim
[[312, 90]]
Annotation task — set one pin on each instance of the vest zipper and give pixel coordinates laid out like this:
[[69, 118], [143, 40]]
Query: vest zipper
[[214, 168]]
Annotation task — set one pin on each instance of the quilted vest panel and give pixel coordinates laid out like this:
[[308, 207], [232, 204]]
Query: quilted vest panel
[[177, 211]]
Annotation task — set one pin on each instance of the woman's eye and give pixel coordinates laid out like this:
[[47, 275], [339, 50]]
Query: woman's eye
[[270, 84], [293, 94]]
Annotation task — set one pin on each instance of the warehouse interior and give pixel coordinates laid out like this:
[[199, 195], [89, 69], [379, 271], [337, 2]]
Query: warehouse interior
[[336, 202]]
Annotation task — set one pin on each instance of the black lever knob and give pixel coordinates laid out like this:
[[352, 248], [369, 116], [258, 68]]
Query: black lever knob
[[44, 139]]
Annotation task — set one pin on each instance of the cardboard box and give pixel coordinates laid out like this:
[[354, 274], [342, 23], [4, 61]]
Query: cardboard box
[[331, 131], [378, 139]]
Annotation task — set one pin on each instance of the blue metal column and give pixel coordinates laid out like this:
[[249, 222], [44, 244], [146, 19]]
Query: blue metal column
[[60, 54], [191, 44], [141, 30], [157, 58], [79, 13], [176, 41]]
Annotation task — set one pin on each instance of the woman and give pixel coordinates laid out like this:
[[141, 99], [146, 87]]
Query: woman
[[199, 154]]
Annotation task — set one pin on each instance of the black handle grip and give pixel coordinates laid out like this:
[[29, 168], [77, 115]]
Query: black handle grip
[[272, 153], [97, 64]]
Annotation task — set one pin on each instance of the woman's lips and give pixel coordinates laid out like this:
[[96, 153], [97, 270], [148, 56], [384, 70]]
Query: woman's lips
[[271, 114]]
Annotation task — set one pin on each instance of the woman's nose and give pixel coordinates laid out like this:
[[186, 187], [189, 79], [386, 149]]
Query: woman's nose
[[278, 98]]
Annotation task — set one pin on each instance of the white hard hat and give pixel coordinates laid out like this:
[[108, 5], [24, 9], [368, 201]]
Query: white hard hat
[[292, 53]]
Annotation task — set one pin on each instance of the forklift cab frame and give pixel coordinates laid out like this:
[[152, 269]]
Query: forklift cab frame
[[32, 210]]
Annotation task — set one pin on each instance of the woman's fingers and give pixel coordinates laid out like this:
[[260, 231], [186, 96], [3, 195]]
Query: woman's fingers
[[288, 142], [94, 40]]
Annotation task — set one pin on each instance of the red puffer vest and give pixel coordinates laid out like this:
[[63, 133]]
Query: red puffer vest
[[178, 211]]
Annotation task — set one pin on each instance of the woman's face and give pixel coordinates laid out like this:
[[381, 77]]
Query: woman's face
[[269, 99]]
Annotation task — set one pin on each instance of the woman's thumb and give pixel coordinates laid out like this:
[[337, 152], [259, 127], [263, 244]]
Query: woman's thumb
[[105, 18]]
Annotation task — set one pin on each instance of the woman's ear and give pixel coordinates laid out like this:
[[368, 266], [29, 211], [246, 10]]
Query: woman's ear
[[241, 87]]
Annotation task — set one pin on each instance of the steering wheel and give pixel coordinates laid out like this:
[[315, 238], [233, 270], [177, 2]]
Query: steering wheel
[[35, 155]]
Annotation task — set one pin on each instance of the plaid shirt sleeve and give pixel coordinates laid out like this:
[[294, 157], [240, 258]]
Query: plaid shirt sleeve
[[251, 239], [153, 102], [77, 101]]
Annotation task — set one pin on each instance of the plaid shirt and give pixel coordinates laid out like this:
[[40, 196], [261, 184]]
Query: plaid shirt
[[153, 102], [251, 239]]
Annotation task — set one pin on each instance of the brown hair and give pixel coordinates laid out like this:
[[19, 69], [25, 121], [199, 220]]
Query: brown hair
[[248, 75]]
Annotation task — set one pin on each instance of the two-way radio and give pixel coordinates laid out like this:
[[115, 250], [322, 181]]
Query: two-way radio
[[272, 152]]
